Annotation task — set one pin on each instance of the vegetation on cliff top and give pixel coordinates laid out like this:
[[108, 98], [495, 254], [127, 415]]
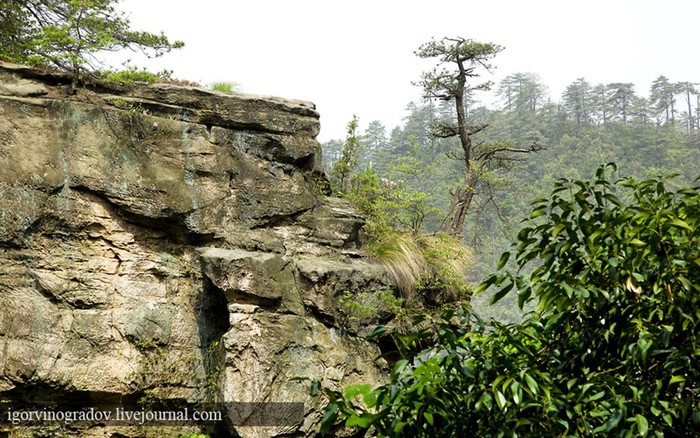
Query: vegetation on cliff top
[[70, 35], [429, 268]]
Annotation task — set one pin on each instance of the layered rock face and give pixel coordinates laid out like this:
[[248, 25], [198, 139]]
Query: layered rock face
[[169, 246]]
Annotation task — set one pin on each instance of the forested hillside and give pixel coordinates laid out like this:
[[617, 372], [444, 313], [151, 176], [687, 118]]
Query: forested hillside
[[589, 125]]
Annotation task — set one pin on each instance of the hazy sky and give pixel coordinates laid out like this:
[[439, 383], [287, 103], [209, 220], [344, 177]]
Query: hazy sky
[[357, 56]]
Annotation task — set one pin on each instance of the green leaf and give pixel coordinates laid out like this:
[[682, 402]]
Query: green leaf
[[668, 419], [515, 391], [501, 293], [612, 198], [558, 228], [378, 332], [428, 417], [523, 422], [524, 296], [329, 417], [485, 400], [681, 224], [488, 282], [503, 260], [547, 393], [613, 422], [500, 399], [370, 399], [531, 383], [596, 396], [537, 213], [400, 366], [643, 425], [353, 391], [362, 421], [315, 389], [676, 379]]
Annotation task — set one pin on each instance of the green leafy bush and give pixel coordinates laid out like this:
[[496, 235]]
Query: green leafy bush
[[612, 349]]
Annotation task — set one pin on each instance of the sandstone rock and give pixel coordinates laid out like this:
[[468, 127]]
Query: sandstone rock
[[162, 245], [23, 89], [253, 277], [271, 349], [325, 281], [236, 111]]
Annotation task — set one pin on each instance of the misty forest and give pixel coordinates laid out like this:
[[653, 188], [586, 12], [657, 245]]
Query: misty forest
[[530, 267], [588, 126]]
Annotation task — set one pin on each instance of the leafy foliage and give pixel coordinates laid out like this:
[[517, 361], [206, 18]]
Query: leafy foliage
[[612, 349], [447, 82], [620, 276], [348, 161], [434, 265], [69, 34]]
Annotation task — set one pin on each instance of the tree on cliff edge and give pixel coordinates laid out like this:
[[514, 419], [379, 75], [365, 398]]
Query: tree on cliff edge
[[459, 60], [70, 34]]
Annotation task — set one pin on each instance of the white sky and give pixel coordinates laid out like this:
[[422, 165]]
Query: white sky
[[356, 57]]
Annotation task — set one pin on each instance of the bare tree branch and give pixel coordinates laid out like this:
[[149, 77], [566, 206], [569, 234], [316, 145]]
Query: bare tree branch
[[487, 155]]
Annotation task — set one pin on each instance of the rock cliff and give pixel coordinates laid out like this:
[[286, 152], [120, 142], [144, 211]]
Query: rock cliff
[[169, 246]]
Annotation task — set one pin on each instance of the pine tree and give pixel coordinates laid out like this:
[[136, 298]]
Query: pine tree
[[69, 34]]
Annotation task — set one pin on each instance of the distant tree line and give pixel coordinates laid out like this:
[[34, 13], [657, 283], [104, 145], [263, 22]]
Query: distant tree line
[[668, 103], [524, 95]]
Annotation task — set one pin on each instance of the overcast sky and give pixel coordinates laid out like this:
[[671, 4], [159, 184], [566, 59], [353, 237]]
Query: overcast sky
[[356, 57]]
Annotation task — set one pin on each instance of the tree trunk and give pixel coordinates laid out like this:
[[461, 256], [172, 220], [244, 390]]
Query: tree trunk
[[462, 197], [673, 110], [459, 206], [690, 110]]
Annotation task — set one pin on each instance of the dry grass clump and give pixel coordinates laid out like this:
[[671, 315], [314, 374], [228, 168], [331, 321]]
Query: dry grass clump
[[432, 265], [402, 257]]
